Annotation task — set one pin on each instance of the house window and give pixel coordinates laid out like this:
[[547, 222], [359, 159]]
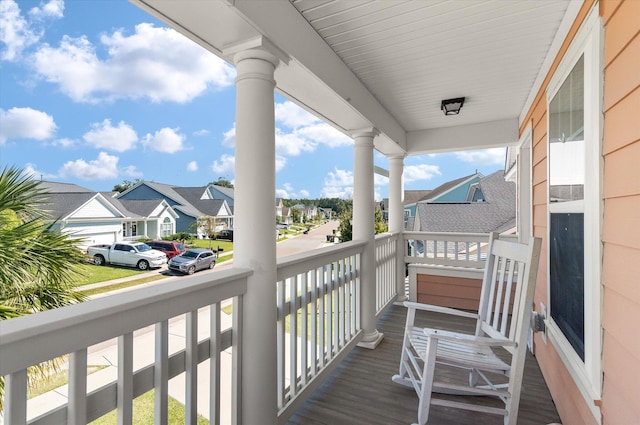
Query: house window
[[134, 229], [124, 229], [574, 112], [167, 227]]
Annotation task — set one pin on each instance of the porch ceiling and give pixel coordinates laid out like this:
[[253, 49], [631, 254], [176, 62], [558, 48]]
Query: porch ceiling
[[388, 64]]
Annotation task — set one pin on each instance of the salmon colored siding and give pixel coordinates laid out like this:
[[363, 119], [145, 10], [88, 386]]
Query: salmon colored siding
[[620, 404], [621, 226]]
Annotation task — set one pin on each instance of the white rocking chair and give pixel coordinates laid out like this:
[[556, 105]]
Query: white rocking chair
[[426, 350]]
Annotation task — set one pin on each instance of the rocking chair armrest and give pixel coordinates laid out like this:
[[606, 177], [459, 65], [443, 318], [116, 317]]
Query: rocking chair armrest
[[468, 339], [439, 309]]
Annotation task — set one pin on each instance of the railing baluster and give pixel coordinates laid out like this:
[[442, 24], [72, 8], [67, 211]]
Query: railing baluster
[[15, 402], [304, 329], [77, 388], [341, 302], [329, 313], [293, 340], [125, 379], [281, 366], [215, 346], [314, 323], [236, 361], [191, 366], [161, 373], [322, 296]]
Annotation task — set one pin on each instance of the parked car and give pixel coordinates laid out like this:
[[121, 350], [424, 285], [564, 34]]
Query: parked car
[[132, 254], [170, 248], [193, 260], [225, 234]]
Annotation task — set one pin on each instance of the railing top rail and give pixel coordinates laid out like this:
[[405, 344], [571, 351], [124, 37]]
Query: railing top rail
[[298, 263], [460, 236], [386, 235], [29, 340]]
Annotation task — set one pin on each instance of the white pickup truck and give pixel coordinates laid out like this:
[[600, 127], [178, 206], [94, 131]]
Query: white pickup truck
[[132, 254]]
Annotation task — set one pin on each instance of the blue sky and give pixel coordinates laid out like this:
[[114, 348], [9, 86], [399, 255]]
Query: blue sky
[[98, 92]]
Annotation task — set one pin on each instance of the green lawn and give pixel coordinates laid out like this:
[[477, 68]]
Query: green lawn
[[91, 273], [143, 412], [211, 244]]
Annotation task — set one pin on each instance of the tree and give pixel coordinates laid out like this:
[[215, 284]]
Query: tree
[[223, 182], [126, 184], [346, 230], [38, 263]]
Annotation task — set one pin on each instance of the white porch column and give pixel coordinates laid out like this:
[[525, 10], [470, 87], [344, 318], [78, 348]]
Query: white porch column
[[363, 230], [396, 217], [254, 221]]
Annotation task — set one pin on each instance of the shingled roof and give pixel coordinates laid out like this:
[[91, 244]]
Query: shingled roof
[[498, 213]]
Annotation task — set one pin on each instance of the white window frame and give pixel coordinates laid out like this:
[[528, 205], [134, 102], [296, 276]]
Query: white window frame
[[588, 374]]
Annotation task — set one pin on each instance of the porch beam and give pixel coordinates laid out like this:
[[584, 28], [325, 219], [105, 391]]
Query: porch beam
[[493, 134], [363, 230], [254, 241]]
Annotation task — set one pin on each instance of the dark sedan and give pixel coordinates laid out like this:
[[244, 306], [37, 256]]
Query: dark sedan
[[193, 260]]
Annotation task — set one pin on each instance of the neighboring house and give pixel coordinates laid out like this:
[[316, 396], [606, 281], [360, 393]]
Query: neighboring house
[[191, 203], [98, 218], [452, 191], [286, 216], [279, 206], [488, 206]]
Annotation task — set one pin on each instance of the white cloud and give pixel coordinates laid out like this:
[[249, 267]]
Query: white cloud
[[293, 116], [132, 171], [290, 144], [25, 123], [338, 184], [226, 164], [65, 142], [229, 139], [281, 161], [202, 132], [414, 173], [105, 136], [30, 170], [325, 134], [18, 33], [52, 9], [192, 166], [166, 140], [288, 192], [483, 157], [104, 167], [282, 193], [154, 63]]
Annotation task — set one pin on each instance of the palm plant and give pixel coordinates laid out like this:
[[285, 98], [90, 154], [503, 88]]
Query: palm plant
[[38, 263]]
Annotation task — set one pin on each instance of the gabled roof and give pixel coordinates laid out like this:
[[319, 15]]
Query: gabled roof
[[450, 185], [64, 199], [413, 196], [193, 197], [498, 213]]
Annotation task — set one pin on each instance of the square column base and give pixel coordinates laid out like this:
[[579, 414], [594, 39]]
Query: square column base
[[372, 344]]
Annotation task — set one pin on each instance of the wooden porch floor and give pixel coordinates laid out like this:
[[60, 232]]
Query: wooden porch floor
[[360, 390]]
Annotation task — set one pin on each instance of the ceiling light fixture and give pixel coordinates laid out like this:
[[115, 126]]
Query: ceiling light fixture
[[452, 106]]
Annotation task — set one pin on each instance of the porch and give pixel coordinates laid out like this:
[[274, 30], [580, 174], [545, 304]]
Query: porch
[[194, 330], [360, 391]]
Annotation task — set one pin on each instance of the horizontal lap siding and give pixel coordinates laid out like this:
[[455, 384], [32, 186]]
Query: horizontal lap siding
[[454, 292], [571, 405], [621, 227]]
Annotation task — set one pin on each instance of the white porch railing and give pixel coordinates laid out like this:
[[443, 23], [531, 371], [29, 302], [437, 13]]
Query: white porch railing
[[318, 321], [447, 249], [73, 330], [318, 298], [386, 266]]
